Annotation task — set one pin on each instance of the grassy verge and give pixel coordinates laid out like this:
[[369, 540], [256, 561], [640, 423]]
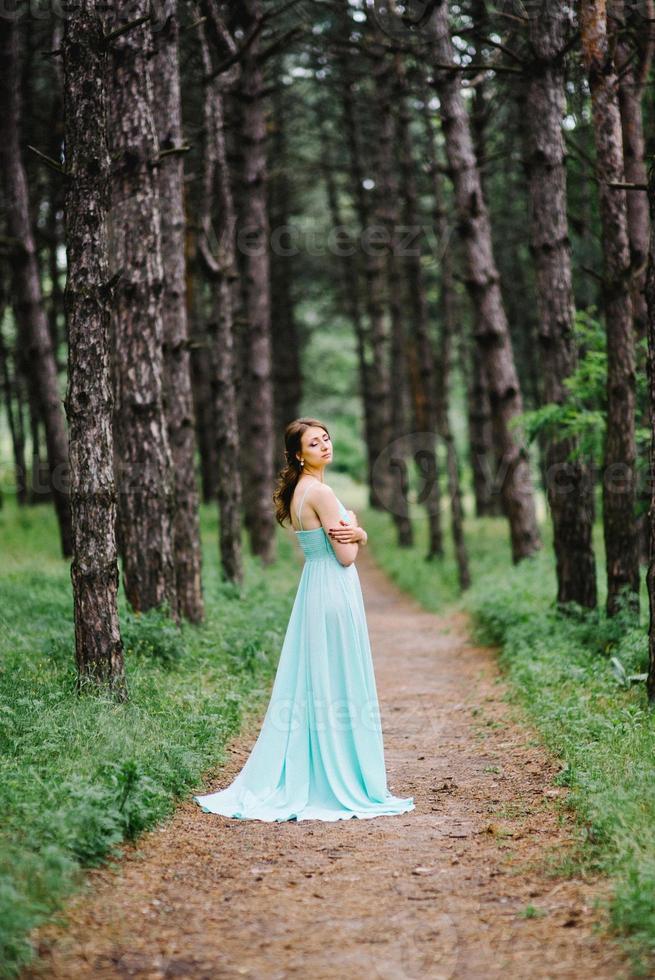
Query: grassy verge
[[78, 776], [570, 674]]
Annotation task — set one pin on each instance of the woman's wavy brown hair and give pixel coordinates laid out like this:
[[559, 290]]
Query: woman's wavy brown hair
[[288, 476]]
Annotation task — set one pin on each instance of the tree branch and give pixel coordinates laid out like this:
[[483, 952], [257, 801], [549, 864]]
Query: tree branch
[[125, 28], [238, 54], [273, 48], [171, 150], [49, 161]]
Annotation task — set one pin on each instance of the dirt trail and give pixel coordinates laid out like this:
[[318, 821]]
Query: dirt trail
[[439, 892]]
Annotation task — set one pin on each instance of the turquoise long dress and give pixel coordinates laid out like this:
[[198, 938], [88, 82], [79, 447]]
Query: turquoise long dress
[[319, 754]]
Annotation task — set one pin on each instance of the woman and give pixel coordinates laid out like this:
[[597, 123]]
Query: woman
[[319, 754]]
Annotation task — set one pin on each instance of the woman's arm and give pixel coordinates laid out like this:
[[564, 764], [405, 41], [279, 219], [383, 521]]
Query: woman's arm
[[328, 511], [348, 531]]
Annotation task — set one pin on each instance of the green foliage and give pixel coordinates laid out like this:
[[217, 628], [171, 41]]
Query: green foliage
[[583, 413], [584, 410], [78, 776]]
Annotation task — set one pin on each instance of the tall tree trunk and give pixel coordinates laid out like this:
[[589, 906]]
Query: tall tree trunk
[[349, 278], [486, 460], [632, 74], [400, 422], [491, 329], [420, 353], [94, 569], [351, 284], [234, 150], [632, 23], [442, 372], [481, 447], [479, 100], [145, 481], [568, 483], [21, 412], [222, 269], [56, 298], [56, 191], [386, 217], [380, 476], [178, 398], [619, 522], [446, 433], [480, 432], [28, 300], [257, 461], [287, 375], [200, 377], [12, 405], [650, 298]]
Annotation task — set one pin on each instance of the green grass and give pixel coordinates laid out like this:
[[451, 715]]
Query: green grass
[[561, 672], [80, 775]]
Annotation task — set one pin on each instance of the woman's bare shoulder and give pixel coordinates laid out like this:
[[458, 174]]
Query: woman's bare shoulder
[[312, 493], [322, 492], [319, 493]]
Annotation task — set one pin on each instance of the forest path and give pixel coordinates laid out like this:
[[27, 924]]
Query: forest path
[[440, 892]]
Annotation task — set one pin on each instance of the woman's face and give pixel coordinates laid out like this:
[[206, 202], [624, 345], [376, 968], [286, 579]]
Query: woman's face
[[316, 447]]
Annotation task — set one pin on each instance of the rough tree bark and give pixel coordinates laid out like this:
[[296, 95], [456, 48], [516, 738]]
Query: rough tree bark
[[373, 262], [568, 484], [481, 443], [485, 461], [351, 300], [619, 524], [650, 298], [386, 217], [222, 270], [178, 398], [257, 459], [491, 328], [420, 353], [145, 482], [624, 19], [632, 25], [200, 371], [94, 569], [364, 345], [285, 338], [27, 296], [13, 410], [446, 433], [480, 432]]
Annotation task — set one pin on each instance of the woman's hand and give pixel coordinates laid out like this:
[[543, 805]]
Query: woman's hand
[[347, 533]]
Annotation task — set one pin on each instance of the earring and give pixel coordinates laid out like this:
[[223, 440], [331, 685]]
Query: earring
[[302, 462]]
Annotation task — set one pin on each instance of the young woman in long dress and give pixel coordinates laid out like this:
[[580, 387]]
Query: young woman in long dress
[[319, 754]]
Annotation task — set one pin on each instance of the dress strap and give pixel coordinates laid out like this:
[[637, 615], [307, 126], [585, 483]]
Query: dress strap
[[300, 508]]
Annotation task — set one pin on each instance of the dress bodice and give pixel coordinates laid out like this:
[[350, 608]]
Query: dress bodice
[[315, 542]]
